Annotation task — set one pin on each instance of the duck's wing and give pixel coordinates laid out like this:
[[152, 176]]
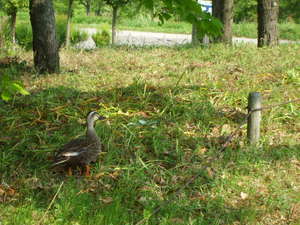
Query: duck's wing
[[70, 151]]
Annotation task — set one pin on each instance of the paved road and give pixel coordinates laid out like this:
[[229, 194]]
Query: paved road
[[139, 38]]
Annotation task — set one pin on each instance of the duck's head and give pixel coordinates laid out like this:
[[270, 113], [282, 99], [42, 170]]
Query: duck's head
[[93, 116]]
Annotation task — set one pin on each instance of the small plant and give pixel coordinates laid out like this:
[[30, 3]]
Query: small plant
[[78, 36], [9, 87], [101, 38]]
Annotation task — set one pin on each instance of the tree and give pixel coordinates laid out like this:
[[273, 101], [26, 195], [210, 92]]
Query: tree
[[223, 10], [267, 17], [115, 4], [289, 9], [98, 7], [189, 11], [245, 11], [87, 4], [11, 7], [69, 18], [45, 45]]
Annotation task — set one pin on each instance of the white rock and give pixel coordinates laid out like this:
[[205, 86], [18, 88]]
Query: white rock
[[88, 44]]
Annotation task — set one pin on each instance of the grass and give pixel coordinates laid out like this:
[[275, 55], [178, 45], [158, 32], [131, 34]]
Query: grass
[[168, 111], [287, 31]]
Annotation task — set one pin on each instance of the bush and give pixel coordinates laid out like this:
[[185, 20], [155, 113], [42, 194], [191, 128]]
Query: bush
[[24, 35], [61, 29], [78, 36], [4, 31], [101, 39]]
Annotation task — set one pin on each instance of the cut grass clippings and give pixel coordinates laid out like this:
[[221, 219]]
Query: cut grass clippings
[[168, 111]]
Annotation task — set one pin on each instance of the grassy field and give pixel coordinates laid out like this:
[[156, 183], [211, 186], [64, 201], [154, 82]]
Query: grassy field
[[289, 31], [168, 111]]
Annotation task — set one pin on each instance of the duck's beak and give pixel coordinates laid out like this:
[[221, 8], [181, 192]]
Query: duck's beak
[[101, 117]]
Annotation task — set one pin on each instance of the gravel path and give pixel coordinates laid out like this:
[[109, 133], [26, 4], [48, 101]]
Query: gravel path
[[139, 38]]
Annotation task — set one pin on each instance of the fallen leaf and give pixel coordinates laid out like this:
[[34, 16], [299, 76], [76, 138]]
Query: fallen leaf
[[243, 195], [115, 174], [106, 200], [210, 172], [2, 192], [177, 221], [201, 151], [99, 175]]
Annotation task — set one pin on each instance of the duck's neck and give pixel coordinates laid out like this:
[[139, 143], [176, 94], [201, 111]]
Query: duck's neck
[[91, 133]]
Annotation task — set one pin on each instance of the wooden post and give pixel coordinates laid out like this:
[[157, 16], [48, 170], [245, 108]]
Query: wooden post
[[253, 125]]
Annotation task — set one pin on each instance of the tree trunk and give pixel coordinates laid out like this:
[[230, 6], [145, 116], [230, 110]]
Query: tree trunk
[[68, 32], [267, 17], [114, 24], [98, 8], [223, 10], [13, 17], [44, 42], [195, 38], [88, 7]]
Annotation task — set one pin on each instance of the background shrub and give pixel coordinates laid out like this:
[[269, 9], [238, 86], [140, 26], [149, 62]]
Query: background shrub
[[24, 35], [101, 38], [78, 36], [61, 28], [4, 31]]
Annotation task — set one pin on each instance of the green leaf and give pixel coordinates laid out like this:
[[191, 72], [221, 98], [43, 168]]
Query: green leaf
[[20, 89], [5, 95]]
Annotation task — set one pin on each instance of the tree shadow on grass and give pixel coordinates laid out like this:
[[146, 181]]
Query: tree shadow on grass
[[149, 130]]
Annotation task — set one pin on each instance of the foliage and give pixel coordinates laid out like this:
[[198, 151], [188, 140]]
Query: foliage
[[289, 11], [11, 6], [99, 6], [8, 85], [8, 88], [244, 11], [4, 31], [24, 35], [78, 36], [116, 3], [61, 23], [189, 11], [101, 38]]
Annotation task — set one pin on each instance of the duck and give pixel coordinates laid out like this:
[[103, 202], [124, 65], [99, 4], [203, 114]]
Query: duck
[[82, 151]]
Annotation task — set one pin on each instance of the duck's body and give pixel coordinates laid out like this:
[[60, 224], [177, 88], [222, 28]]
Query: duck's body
[[83, 150]]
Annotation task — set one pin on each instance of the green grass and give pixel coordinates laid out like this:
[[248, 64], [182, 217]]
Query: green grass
[[287, 31], [168, 110]]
